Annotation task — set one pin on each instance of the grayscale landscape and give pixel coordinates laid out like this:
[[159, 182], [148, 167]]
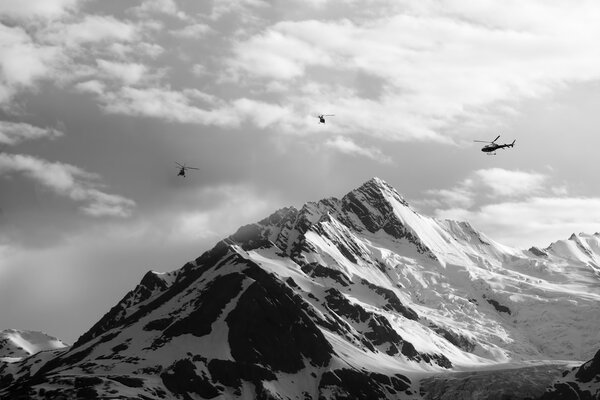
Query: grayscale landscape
[[257, 199]]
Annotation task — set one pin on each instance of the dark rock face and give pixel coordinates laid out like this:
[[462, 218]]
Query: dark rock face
[[582, 383], [590, 370], [181, 378], [538, 252], [231, 374], [456, 339], [318, 271], [207, 307], [268, 327], [149, 285], [251, 237], [352, 384], [393, 303], [158, 324], [374, 211], [499, 307], [381, 333], [342, 306]]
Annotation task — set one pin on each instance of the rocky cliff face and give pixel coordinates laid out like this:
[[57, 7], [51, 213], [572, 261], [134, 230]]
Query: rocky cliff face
[[580, 383], [345, 298]]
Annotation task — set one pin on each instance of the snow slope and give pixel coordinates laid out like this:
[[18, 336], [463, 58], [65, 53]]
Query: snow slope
[[16, 344], [359, 297]]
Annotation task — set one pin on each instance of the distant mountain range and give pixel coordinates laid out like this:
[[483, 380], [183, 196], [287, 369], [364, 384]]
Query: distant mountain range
[[16, 345], [359, 297]]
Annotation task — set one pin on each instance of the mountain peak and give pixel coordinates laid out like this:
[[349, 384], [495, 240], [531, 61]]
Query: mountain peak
[[376, 183], [376, 190]]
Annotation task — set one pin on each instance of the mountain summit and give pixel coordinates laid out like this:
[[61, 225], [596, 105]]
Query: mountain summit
[[358, 297]]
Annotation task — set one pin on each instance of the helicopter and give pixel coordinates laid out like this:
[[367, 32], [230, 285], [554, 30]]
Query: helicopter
[[322, 117], [493, 146], [182, 169]]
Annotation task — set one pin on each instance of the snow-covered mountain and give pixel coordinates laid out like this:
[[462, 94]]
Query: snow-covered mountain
[[360, 297], [18, 344]]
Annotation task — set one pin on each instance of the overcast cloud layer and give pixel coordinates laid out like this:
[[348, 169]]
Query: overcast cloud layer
[[98, 100]]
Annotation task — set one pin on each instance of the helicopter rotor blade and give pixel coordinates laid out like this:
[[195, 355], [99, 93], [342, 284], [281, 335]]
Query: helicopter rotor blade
[[482, 141], [181, 166], [496, 139]]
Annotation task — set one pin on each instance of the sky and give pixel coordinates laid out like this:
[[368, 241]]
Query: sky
[[100, 99]]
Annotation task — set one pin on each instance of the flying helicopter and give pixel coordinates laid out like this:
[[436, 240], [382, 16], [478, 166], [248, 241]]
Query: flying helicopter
[[182, 169], [322, 117], [492, 146]]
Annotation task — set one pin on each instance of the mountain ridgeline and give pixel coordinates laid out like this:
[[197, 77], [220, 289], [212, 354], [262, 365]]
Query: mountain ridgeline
[[358, 297]]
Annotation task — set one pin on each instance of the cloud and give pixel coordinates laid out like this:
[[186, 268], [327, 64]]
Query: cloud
[[37, 8], [193, 31], [69, 181], [492, 183], [276, 55], [347, 146], [176, 106], [93, 86], [503, 182], [241, 8], [128, 73], [22, 61], [440, 63], [196, 107], [158, 7], [233, 203], [91, 29], [12, 133], [460, 196], [262, 114]]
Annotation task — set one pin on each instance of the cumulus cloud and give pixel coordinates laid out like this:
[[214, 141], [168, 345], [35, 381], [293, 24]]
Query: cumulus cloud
[[22, 61], [460, 196], [128, 73], [69, 181], [92, 86], [276, 55], [176, 106], [491, 183], [241, 8], [196, 107], [12, 133], [503, 182], [348, 146], [193, 31], [161, 7], [441, 62], [37, 8], [234, 203], [91, 29]]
